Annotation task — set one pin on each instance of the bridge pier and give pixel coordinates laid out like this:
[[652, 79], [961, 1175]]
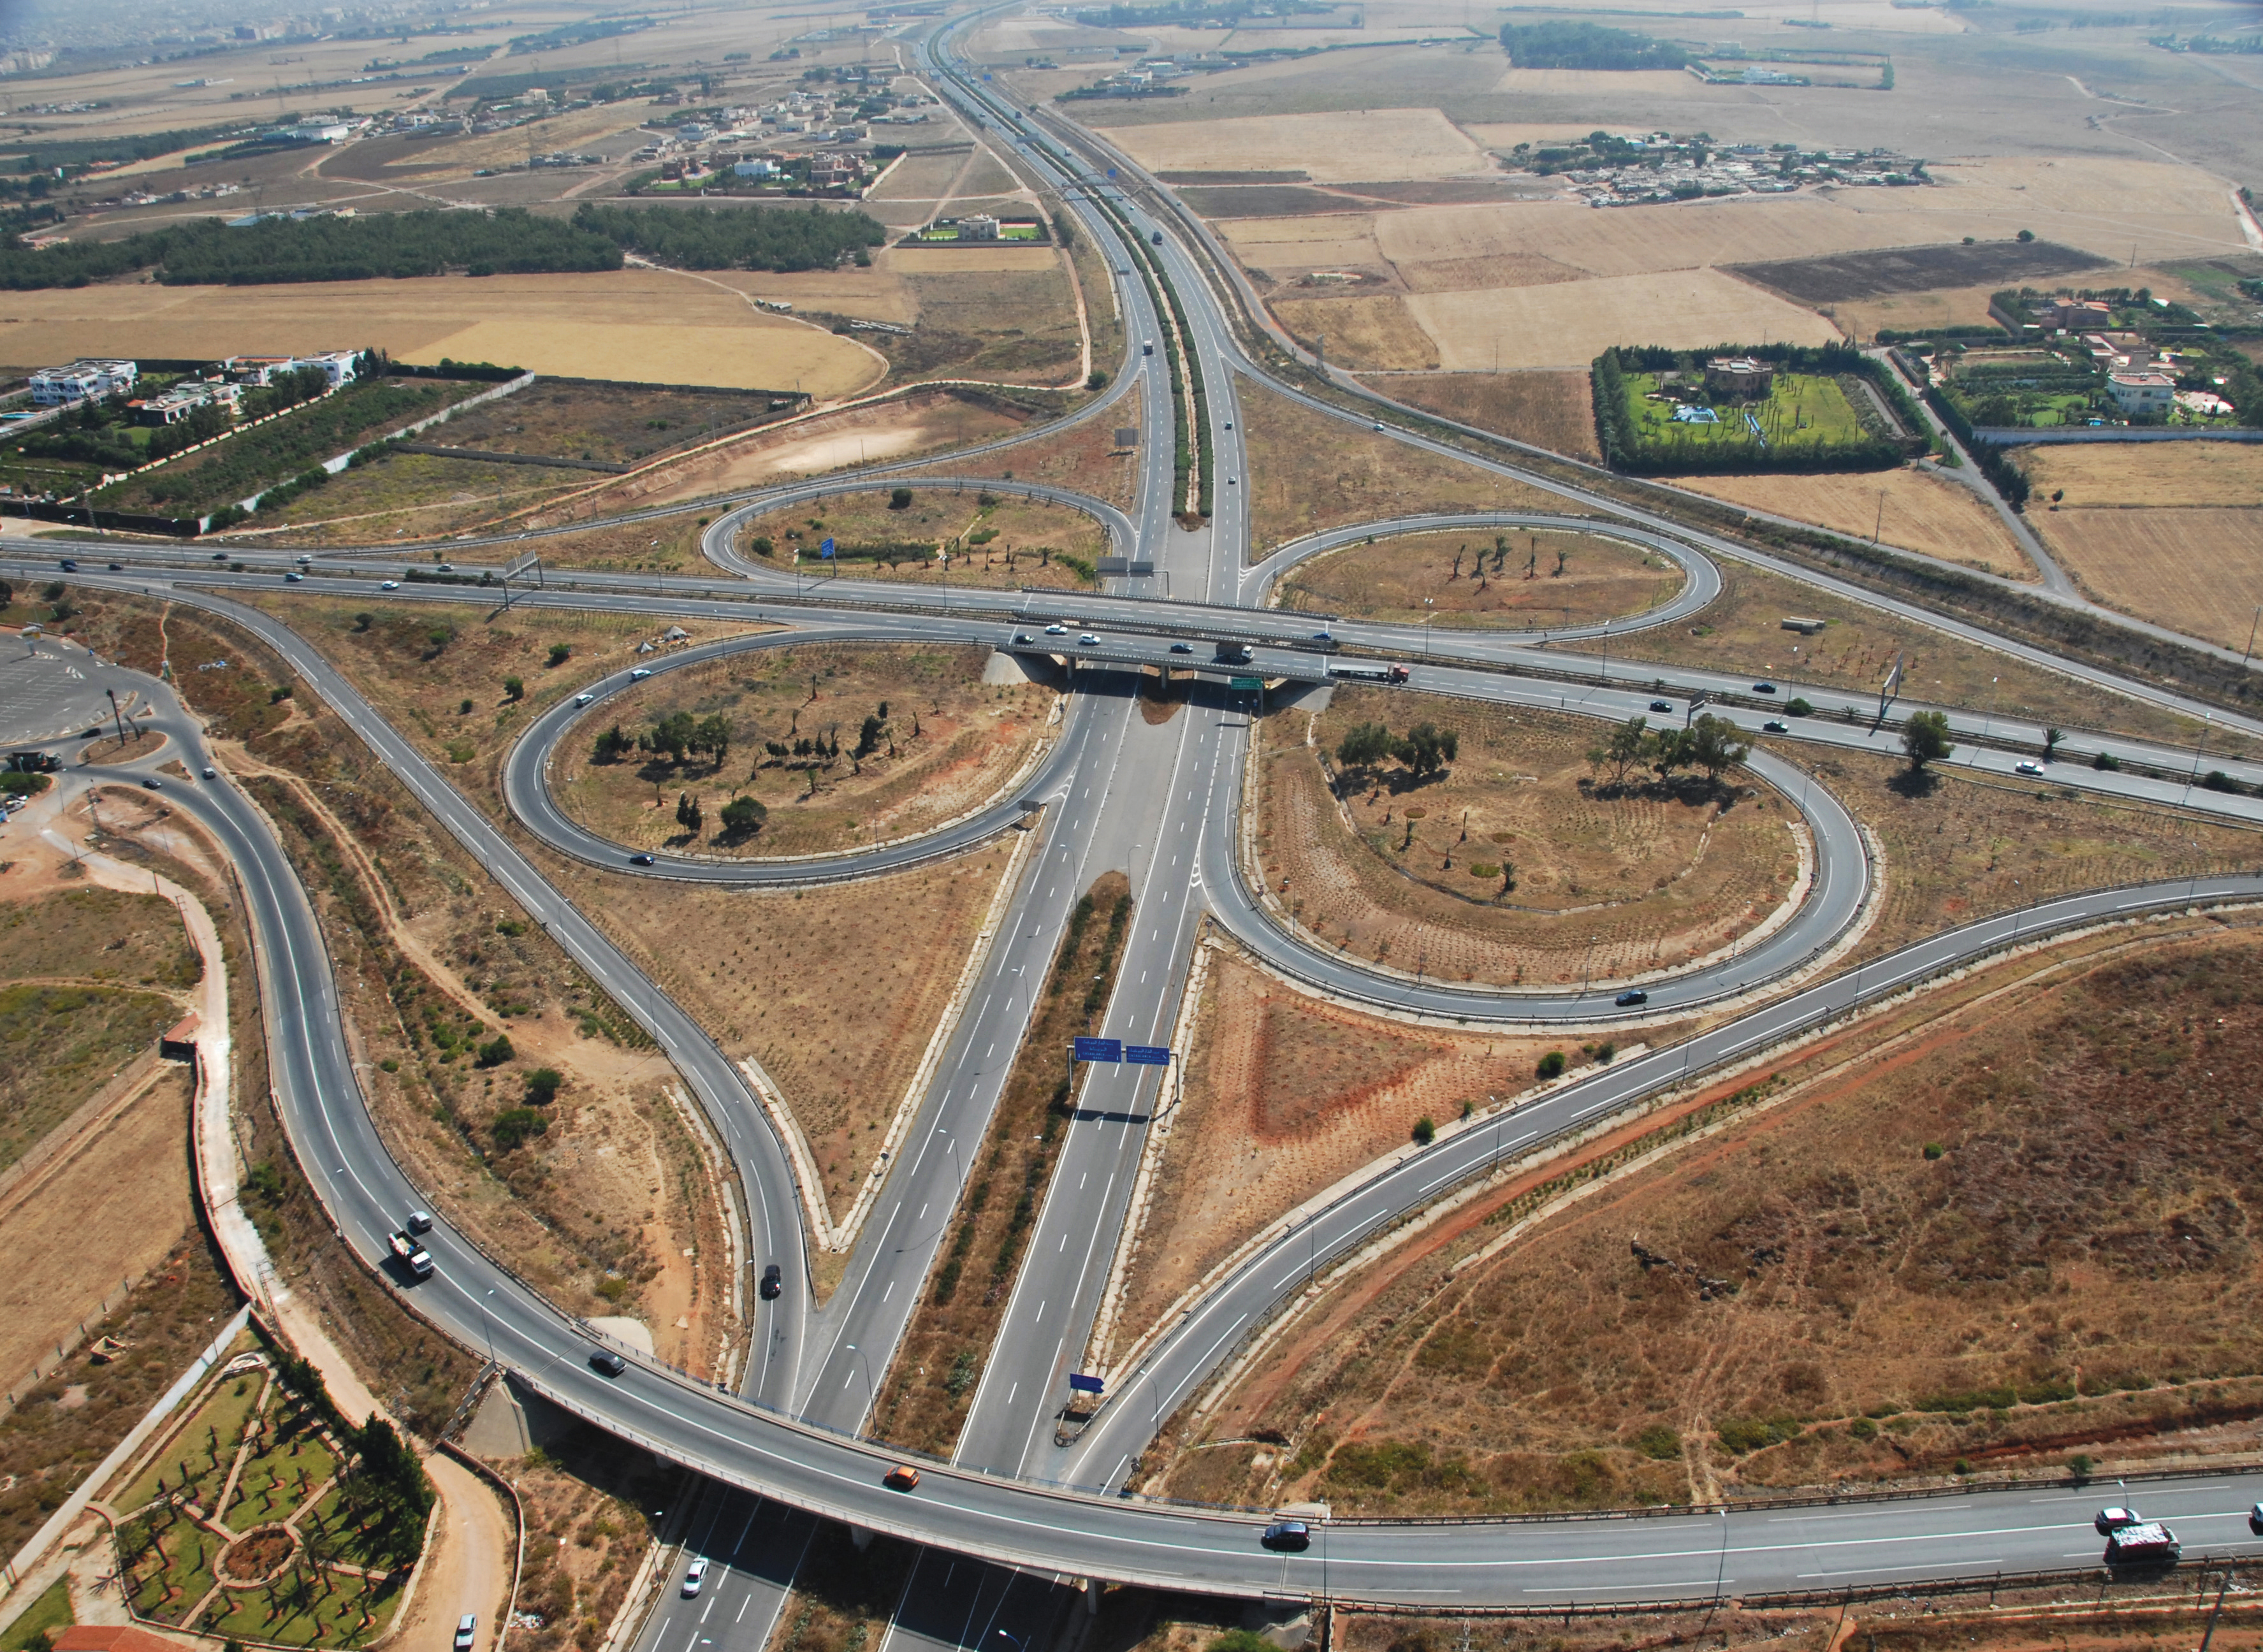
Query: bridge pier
[[861, 1537]]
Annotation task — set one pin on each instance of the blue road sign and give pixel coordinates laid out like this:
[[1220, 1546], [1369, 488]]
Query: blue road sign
[[826, 550], [1111, 171], [1098, 1049], [1080, 1384], [1148, 1055]]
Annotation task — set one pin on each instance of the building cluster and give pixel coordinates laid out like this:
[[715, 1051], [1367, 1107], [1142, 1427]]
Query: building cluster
[[1658, 167], [95, 380], [2140, 379], [822, 135]]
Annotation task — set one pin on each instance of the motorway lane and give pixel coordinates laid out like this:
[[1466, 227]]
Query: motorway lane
[[752, 1547], [1056, 1292], [855, 1335]]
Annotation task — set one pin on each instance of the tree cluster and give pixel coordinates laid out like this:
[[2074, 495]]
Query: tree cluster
[[703, 238], [1709, 744], [1586, 45], [675, 737], [1424, 750]]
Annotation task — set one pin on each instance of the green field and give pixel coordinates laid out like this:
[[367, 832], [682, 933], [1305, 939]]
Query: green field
[[1804, 413]]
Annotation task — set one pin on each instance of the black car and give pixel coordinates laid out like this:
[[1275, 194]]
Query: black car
[[640, 859], [220, 556], [1021, 638], [1288, 1536], [773, 1282], [69, 566], [1763, 688], [1775, 726], [153, 783], [1631, 997], [1662, 705], [1182, 648], [607, 1361], [118, 568]]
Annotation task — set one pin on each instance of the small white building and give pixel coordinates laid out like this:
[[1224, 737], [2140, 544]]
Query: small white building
[[82, 381], [339, 365], [2141, 393], [977, 226]]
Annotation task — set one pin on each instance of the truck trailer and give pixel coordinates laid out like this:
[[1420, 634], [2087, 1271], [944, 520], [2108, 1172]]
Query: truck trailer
[[1367, 674]]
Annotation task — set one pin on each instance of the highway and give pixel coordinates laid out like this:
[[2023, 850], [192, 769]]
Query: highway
[[1162, 803]]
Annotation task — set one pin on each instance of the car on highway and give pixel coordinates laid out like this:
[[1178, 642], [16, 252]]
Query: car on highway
[[773, 1282], [1763, 688], [1378, 426], [419, 1222], [1087, 641], [220, 556], [583, 698], [118, 568], [2255, 1519], [1775, 726], [903, 1478], [639, 674], [447, 567], [1662, 705], [640, 859], [294, 576], [67, 565], [467, 1631], [2028, 766], [608, 1363], [304, 560], [1290, 1537], [1056, 631], [1631, 997], [1022, 639], [2113, 1519], [151, 783], [694, 1575], [1182, 648], [2147, 1543], [1229, 424], [388, 585], [211, 774]]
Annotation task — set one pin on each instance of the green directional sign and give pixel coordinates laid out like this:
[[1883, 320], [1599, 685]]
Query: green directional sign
[[1247, 685]]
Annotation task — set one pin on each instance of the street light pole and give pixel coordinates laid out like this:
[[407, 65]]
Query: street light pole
[[872, 1396], [2251, 625]]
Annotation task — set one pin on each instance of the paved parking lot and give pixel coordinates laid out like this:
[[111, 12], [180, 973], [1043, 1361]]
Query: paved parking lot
[[48, 693]]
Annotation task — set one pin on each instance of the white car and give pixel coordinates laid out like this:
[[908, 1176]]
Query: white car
[[2030, 766], [467, 1631], [639, 675], [694, 1576], [583, 699], [388, 585], [1056, 631], [1087, 641]]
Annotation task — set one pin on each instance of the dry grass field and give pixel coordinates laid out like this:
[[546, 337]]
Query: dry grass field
[[1084, 457], [2146, 473], [1798, 1311], [1413, 576], [944, 745], [1294, 491], [1972, 845], [1510, 867], [414, 495], [638, 325], [2199, 570], [617, 424], [1921, 512], [897, 428], [1333, 149], [1285, 1095], [1548, 409], [943, 536], [1568, 324], [1860, 319], [1743, 632], [1365, 333], [836, 994]]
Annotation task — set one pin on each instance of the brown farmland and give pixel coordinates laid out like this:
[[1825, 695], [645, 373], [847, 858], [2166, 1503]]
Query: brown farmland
[[1520, 579]]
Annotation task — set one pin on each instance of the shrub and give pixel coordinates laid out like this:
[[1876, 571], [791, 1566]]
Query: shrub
[[900, 499], [1551, 1065], [1863, 1429], [513, 1125], [496, 1050], [559, 653], [1798, 707], [2105, 761], [1659, 1441], [1934, 1150], [542, 1086], [15, 785], [514, 688], [1425, 1132]]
